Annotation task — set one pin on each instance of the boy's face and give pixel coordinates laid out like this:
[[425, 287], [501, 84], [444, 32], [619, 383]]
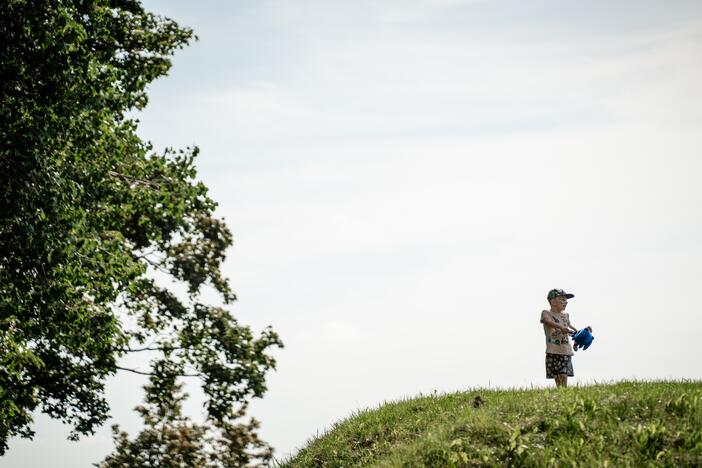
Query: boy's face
[[559, 303]]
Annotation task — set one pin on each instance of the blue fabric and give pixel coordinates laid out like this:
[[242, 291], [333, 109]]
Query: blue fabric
[[583, 338]]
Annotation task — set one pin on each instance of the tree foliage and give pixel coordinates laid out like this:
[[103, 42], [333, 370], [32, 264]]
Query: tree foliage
[[171, 440], [91, 216]]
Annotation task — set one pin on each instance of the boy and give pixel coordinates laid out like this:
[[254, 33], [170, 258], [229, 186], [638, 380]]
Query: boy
[[557, 328]]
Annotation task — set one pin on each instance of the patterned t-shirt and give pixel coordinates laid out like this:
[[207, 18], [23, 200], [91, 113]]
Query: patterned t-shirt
[[557, 341]]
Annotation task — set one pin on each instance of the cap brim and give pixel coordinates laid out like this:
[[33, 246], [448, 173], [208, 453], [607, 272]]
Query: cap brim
[[569, 296]]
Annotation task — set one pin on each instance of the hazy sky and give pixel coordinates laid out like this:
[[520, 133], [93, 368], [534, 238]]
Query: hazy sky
[[406, 180]]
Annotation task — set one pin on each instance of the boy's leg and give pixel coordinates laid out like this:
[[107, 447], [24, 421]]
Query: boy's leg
[[561, 380]]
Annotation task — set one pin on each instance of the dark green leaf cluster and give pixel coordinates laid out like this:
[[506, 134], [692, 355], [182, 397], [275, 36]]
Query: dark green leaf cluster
[[91, 217]]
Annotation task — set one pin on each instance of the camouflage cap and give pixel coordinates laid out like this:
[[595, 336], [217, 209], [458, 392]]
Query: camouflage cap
[[559, 293]]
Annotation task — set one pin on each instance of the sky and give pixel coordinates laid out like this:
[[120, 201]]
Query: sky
[[406, 180]]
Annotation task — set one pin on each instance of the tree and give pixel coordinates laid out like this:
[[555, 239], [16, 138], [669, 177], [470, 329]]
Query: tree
[[90, 215], [171, 440]]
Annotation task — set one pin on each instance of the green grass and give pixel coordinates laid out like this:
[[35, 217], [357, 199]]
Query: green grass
[[617, 425]]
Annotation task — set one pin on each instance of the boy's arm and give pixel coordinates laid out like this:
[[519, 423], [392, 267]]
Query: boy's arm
[[555, 325]]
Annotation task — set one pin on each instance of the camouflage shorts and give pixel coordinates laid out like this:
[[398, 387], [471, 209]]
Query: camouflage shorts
[[558, 364]]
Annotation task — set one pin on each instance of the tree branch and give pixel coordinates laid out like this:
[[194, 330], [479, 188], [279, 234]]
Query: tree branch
[[158, 266], [133, 179], [151, 373], [148, 348]]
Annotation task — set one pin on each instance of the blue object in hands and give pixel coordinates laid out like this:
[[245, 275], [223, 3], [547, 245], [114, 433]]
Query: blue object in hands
[[583, 338]]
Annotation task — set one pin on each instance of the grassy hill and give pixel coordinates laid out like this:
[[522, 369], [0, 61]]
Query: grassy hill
[[617, 425]]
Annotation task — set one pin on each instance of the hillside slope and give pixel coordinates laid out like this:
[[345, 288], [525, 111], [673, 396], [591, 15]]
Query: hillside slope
[[622, 424]]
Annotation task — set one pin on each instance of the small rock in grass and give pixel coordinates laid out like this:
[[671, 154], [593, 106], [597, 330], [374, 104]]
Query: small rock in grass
[[477, 401]]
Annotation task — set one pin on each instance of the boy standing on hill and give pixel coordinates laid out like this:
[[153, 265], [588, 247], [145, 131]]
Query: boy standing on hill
[[557, 328]]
